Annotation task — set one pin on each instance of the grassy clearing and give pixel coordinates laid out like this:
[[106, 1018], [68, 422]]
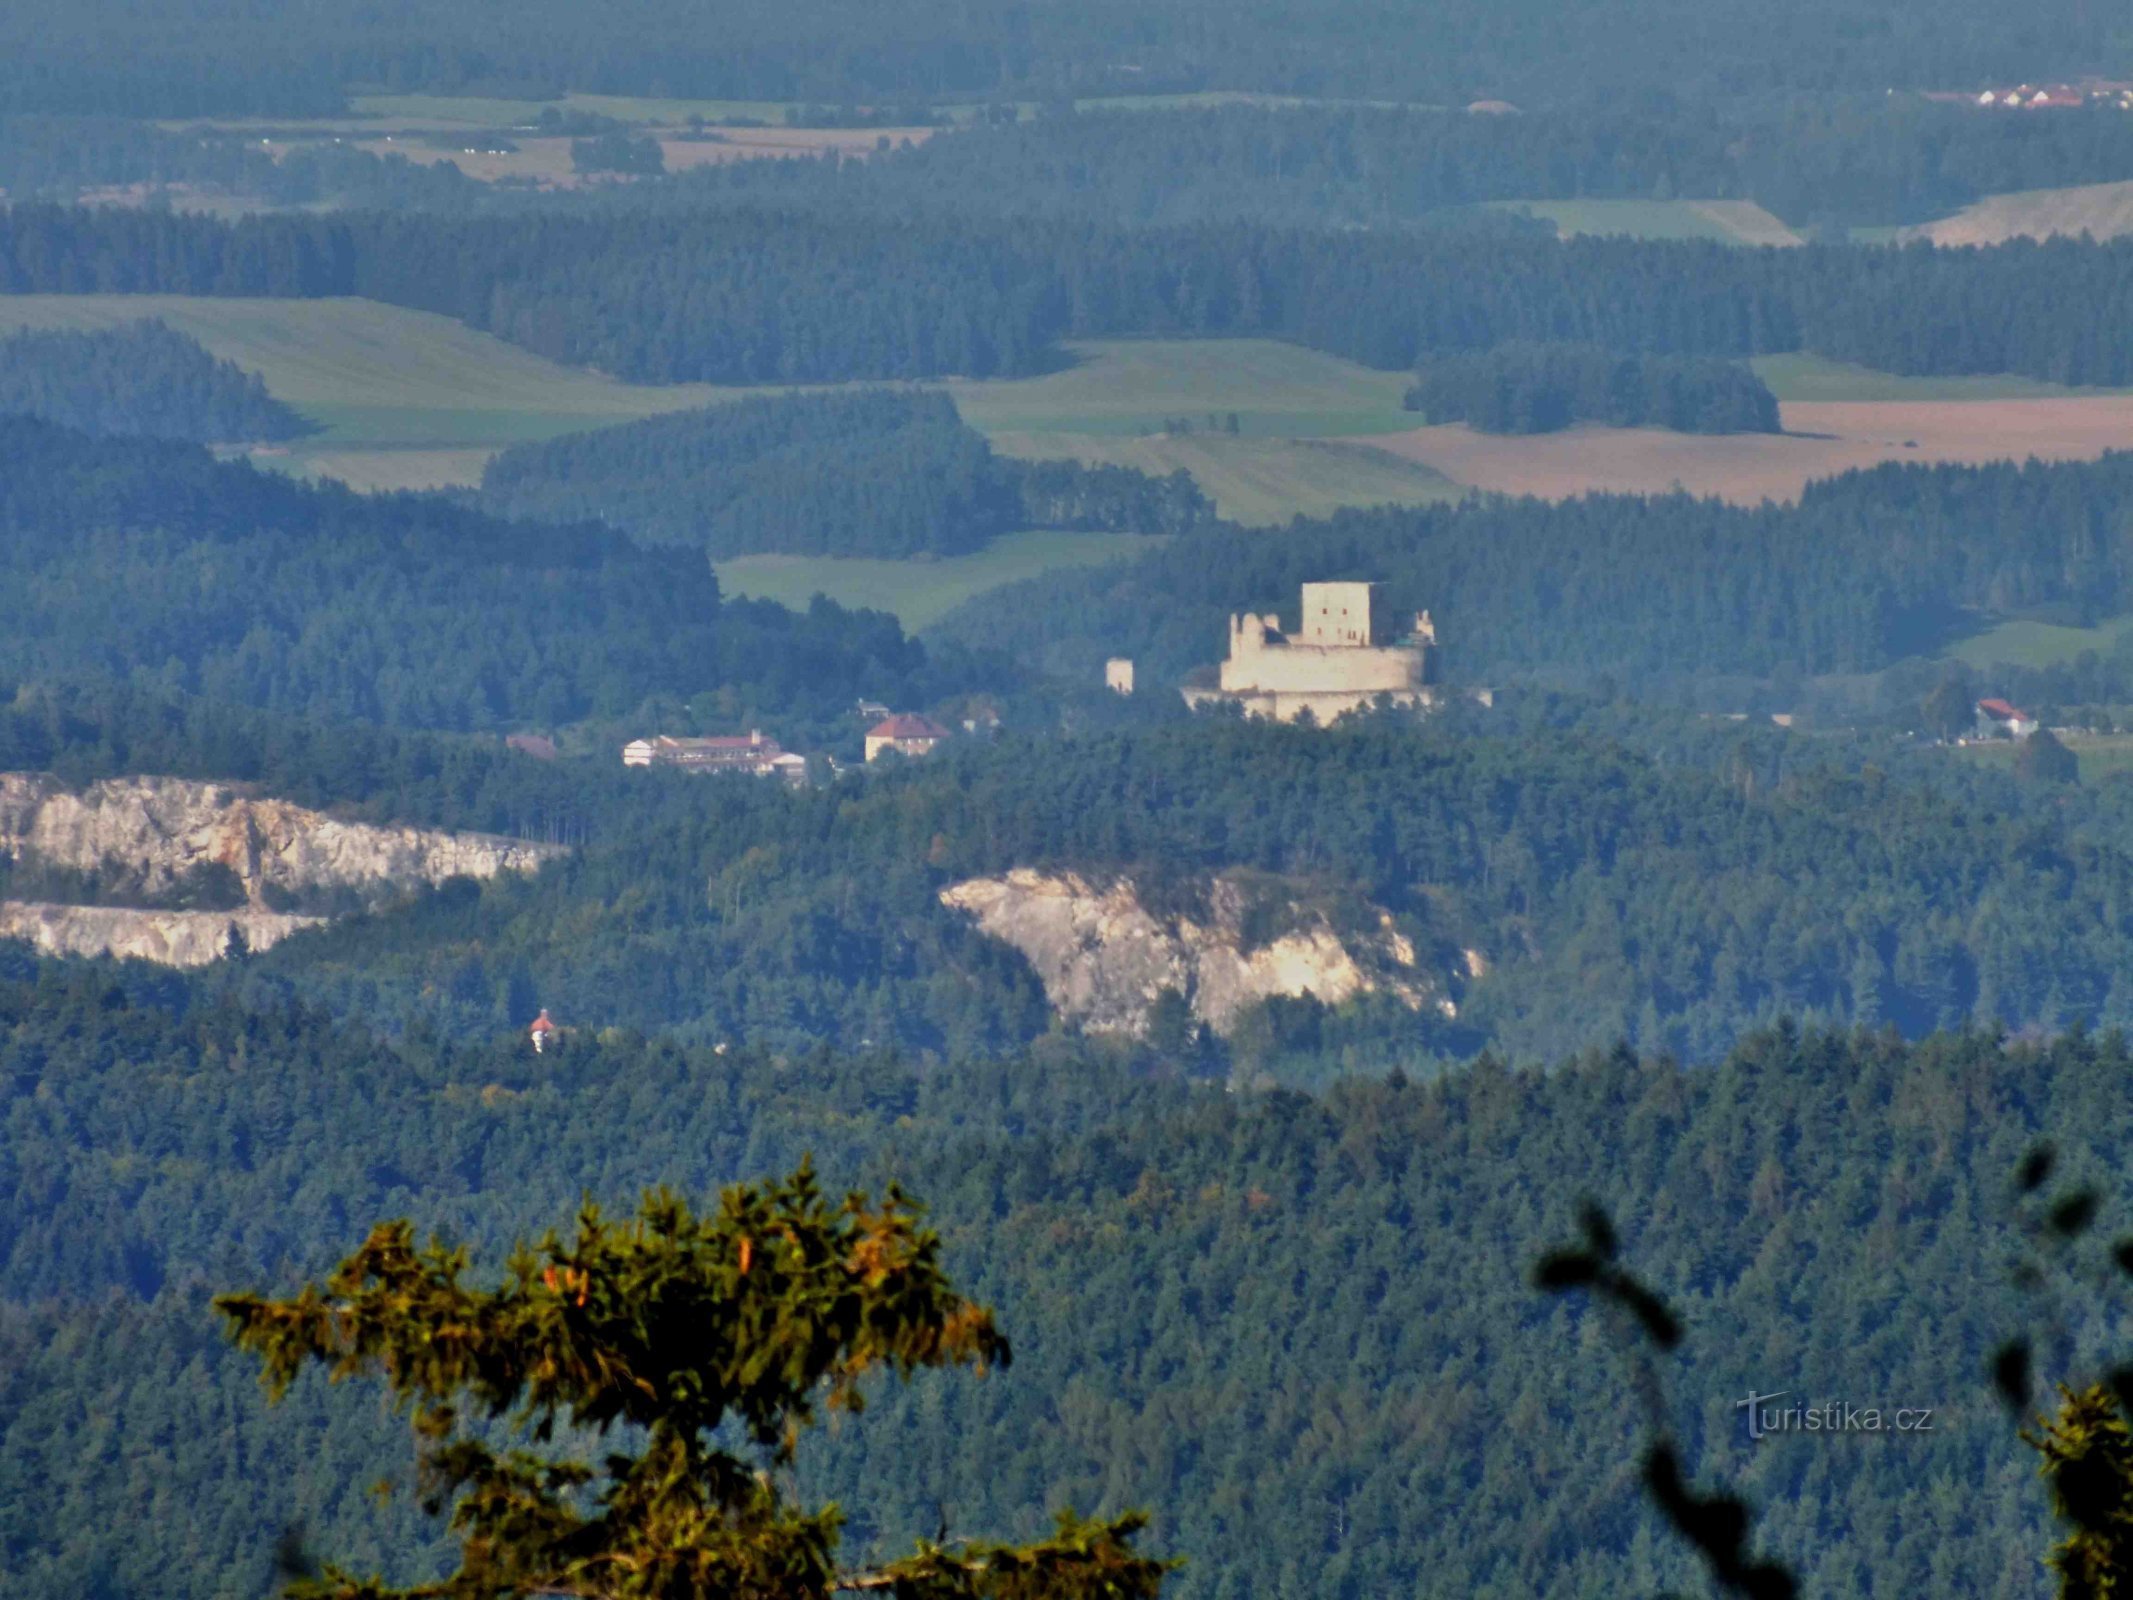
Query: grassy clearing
[[406, 399], [1723, 221], [1814, 378], [1258, 482], [376, 376], [919, 593], [1131, 386], [2101, 210], [2039, 644], [381, 471], [2103, 756]]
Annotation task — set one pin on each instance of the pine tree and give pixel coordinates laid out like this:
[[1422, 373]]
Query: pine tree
[[666, 1329]]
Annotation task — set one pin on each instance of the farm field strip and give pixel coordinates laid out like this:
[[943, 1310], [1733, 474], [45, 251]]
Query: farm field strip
[[1816, 378], [1821, 440], [920, 593], [1257, 482], [375, 374], [2102, 210], [406, 398], [2026, 643], [1132, 386], [1741, 222]]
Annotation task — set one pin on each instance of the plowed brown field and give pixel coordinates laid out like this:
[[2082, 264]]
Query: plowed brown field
[[1821, 439]]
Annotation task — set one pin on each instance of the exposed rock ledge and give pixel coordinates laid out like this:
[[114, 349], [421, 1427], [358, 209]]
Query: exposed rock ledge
[[161, 831], [171, 938], [163, 828], [1104, 958]]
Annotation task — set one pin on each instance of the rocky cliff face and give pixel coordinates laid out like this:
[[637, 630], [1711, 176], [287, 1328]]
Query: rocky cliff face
[[1104, 958], [169, 938], [160, 833], [165, 828]]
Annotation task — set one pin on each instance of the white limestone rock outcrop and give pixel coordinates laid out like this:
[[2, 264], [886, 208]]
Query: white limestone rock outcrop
[[163, 828], [1104, 958], [157, 835], [168, 938]]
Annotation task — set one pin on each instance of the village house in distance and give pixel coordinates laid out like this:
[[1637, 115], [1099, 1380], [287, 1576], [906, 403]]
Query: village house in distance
[[753, 754], [904, 734], [1344, 657]]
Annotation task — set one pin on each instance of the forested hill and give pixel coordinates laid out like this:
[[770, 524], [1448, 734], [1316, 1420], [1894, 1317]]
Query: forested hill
[[1867, 568], [874, 473], [1234, 1308], [145, 378], [764, 296], [152, 560], [1678, 902]]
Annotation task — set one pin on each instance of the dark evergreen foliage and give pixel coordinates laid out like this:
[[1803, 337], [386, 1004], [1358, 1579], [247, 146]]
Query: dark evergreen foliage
[[62, 158], [1867, 568], [619, 153], [105, 55], [153, 561], [873, 473], [711, 1341], [1677, 902], [144, 378], [1812, 159], [761, 296], [1300, 1328], [1540, 388]]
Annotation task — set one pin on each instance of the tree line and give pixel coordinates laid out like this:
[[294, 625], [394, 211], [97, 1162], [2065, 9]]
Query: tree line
[[763, 296], [1660, 593], [397, 609], [1542, 388], [1816, 160], [1257, 1313], [143, 378], [1678, 901], [874, 473], [102, 55]]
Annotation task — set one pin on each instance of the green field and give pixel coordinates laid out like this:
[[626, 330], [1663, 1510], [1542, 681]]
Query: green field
[[406, 399], [2102, 755], [1722, 221], [1806, 377], [478, 112], [2040, 644], [1258, 482], [919, 593], [384, 384], [1132, 386]]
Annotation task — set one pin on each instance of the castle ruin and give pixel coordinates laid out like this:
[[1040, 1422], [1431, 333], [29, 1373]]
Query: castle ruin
[[1343, 657]]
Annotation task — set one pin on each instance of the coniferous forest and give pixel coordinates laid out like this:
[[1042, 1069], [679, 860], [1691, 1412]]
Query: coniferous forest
[[778, 297], [1539, 388], [1377, 1157], [867, 473], [143, 380]]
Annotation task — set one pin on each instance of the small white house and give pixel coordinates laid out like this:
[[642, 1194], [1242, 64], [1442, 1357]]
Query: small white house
[[1997, 717]]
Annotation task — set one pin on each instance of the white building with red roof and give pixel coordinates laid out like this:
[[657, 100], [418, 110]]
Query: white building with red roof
[[2001, 716], [752, 753], [905, 734]]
